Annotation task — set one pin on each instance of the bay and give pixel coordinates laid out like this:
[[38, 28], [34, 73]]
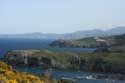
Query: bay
[[8, 44]]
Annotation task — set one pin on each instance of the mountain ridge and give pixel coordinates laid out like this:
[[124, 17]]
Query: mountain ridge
[[73, 35]]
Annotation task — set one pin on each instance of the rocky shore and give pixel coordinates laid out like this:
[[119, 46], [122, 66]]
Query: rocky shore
[[98, 61]]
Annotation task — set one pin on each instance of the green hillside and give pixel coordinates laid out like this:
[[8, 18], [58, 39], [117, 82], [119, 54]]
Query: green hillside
[[91, 42]]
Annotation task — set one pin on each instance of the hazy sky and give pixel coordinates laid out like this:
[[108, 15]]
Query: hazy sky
[[60, 16]]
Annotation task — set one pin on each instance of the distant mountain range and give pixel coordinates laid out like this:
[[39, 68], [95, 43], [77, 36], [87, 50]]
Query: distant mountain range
[[74, 35]]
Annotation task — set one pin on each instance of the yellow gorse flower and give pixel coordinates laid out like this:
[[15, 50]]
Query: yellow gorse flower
[[11, 81]]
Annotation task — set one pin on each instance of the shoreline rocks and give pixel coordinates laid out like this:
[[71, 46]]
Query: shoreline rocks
[[97, 62]]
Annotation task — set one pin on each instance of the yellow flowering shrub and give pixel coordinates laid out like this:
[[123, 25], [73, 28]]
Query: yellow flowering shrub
[[5, 66], [11, 81], [7, 75]]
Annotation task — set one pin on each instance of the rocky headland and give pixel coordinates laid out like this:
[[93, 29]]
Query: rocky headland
[[91, 42], [108, 62]]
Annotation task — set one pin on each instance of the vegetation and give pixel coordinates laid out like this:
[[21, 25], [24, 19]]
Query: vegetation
[[96, 61], [117, 48], [108, 59], [91, 42], [9, 75], [104, 62]]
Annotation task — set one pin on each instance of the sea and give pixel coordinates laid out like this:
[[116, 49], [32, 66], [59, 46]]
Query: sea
[[8, 44]]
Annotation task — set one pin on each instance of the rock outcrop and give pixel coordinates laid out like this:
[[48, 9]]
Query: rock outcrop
[[97, 61], [39, 58]]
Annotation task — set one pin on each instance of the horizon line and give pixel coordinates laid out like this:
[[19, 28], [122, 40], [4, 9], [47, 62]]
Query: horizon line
[[60, 33]]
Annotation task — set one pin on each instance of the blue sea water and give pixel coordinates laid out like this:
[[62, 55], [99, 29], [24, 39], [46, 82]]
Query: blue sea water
[[7, 44], [73, 75]]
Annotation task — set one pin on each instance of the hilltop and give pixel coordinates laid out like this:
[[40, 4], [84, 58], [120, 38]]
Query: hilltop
[[92, 42]]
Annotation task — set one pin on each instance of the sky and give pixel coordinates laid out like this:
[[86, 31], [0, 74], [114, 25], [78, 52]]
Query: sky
[[59, 16]]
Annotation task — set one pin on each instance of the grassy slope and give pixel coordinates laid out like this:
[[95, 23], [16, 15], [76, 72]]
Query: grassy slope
[[111, 62], [91, 42], [8, 75]]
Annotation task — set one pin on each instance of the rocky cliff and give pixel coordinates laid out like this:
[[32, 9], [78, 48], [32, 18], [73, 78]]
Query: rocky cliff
[[97, 61], [42, 58]]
